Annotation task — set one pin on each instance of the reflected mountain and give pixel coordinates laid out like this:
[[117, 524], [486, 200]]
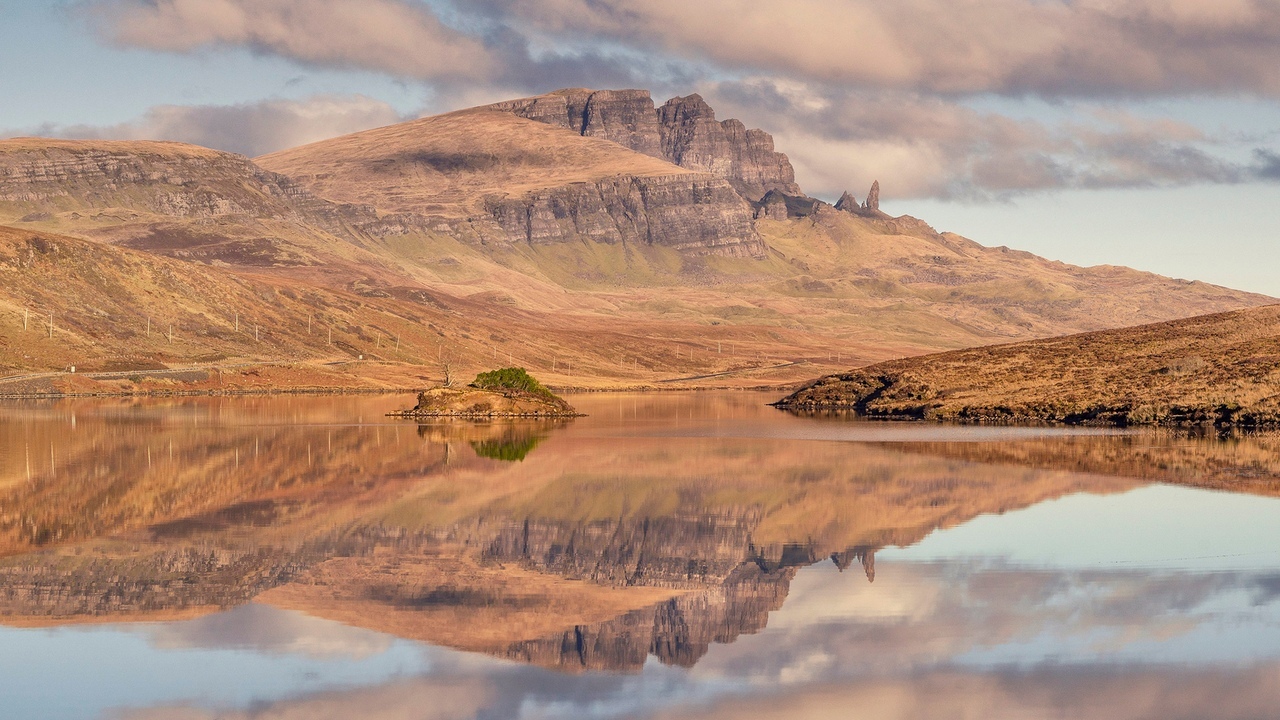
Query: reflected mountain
[[1240, 462], [595, 552]]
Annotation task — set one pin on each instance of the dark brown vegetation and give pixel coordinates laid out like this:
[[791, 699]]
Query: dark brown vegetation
[[1221, 370]]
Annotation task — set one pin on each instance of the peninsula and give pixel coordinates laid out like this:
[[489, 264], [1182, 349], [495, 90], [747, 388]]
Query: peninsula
[[1218, 370]]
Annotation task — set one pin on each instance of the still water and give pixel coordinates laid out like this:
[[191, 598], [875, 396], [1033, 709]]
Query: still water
[[668, 556]]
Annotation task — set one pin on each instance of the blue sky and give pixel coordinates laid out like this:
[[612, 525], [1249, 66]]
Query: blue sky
[[1135, 132]]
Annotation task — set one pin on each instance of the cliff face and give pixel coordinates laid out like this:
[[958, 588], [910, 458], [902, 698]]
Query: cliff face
[[206, 577], [487, 175], [167, 179], [698, 214], [681, 552], [692, 138], [684, 131], [735, 584], [172, 199], [677, 632]]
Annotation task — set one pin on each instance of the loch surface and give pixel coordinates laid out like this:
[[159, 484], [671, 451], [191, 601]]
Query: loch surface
[[670, 555]]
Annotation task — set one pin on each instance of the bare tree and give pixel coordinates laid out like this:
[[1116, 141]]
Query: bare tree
[[446, 366]]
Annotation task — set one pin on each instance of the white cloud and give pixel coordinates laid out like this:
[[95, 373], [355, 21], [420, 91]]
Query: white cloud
[[922, 145], [399, 37]]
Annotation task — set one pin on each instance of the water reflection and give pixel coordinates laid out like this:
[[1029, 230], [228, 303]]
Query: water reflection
[[702, 544]]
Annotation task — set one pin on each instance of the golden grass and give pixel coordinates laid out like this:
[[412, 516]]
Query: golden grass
[[1219, 369], [130, 147]]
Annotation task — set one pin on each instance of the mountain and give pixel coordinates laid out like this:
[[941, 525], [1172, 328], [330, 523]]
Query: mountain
[[1219, 370], [595, 237], [489, 174]]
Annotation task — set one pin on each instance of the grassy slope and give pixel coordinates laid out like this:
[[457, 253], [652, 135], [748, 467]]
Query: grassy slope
[[101, 297], [1222, 369]]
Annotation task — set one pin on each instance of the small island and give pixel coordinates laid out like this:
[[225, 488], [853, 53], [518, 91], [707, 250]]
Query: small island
[[504, 393]]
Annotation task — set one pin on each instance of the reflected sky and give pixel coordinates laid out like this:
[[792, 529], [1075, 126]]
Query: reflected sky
[[448, 584]]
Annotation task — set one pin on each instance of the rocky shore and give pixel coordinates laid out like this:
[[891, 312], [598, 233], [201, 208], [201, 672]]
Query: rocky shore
[[507, 392]]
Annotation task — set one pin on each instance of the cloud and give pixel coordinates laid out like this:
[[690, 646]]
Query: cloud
[[1118, 693], [1267, 165], [422, 699], [929, 146], [853, 90], [395, 36], [269, 631], [1051, 49], [956, 639], [1058, 49], [249, 129]]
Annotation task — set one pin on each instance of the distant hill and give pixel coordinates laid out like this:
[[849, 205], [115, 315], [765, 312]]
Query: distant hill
[[1219, 370], [634, 243]]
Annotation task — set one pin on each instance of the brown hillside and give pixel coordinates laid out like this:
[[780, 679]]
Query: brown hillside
[[1219, 369], [504, 231]]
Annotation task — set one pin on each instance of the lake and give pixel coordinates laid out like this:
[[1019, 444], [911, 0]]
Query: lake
[[671, 555]]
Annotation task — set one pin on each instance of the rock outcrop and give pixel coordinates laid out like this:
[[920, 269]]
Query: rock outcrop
[[696, 213], [868, 209], [873, 198], [773, 206], [777, 205], [683, 131], [848, 203]]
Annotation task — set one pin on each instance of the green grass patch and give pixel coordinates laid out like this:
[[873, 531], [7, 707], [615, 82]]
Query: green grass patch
[[512, 379]]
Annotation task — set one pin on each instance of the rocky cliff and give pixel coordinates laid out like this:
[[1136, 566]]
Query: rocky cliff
[[677, 632], [683, 131], [487, 175], [46, 587], [869, 209], [174, 199], [169, 179], [695, 213], [735, 584]]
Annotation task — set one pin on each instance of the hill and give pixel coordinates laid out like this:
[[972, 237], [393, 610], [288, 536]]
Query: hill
[[591, 236], [1219, 370]]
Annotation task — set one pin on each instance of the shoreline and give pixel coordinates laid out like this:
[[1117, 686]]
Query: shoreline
[[328, 378], [340, 390], [1220, 418]]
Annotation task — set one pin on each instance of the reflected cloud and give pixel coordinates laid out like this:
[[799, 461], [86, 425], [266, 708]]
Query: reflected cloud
[[926, 640], [262, 629], [1097, 693], [422, 699]]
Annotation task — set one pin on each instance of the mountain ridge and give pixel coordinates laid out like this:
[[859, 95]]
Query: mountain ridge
[[560, 230]]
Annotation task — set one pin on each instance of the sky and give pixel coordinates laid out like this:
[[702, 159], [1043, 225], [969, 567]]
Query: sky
[[1133, 132]]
